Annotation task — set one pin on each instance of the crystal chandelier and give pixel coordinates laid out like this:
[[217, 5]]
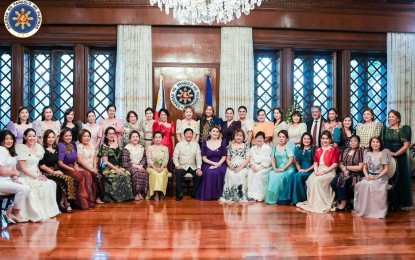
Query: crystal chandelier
[[206, 11]]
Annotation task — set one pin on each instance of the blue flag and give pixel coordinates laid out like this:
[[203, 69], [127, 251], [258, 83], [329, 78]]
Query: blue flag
[[209, 94]]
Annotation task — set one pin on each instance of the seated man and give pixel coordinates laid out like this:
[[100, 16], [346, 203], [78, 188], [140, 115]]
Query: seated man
[[187, 159]]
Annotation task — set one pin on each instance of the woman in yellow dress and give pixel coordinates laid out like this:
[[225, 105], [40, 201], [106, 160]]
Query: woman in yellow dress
[[157, 160], [263, 126]]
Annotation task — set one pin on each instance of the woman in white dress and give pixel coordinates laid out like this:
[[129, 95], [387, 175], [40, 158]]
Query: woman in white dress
[[239, 156], [258, 168], [247, 124], [42, 198], [187, 122], [9, 183], [320, 195], [296, 129]]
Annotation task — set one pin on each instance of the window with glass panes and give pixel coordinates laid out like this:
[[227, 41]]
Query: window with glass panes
[[5, 86], [368, 86], [267, 83]]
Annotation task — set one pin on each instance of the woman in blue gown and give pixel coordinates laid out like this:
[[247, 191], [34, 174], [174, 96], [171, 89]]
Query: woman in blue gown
[[296, 189], [282, 165]]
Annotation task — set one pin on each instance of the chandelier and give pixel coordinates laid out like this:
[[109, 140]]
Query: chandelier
[[206, 11]]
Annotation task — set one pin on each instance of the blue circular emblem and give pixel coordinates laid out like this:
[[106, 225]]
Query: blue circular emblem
[[22, 18], [184, 93]]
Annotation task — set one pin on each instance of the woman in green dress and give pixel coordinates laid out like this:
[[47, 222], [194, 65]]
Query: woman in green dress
[[397, 139], [283, 167], [117, 180]]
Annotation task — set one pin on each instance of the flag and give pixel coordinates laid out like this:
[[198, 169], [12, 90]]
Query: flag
[[209, 95], [160, 98]]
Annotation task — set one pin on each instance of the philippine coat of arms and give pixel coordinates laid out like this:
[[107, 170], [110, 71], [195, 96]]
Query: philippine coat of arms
[[22, 18], [184, 93]]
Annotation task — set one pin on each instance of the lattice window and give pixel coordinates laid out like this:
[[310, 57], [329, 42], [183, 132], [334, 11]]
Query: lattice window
[[267, 83], [313, 81], [5, 86], [368, 86], [49, 81], [101, 80]]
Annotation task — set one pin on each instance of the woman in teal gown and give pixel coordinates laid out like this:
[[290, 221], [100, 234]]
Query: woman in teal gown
[[282, 165], [397, 139], [296, 189]]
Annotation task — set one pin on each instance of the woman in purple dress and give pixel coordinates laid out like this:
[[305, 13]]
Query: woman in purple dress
[[213, 167], [21, 124]]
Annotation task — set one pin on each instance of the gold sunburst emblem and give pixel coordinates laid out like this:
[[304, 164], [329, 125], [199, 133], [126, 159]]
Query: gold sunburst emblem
[[23, 19], [185, 95]]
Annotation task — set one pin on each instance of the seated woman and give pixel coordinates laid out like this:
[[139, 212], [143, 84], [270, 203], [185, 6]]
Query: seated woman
[[213, 166], [48, 166], [282, 167], [157, 160], [133, 159], [87, 160], [258, 168], [117, 180], [351, 166], [9, 183], [320, 195], [239, 156], [67, 155], [42, 198], [296, 189], [370, 194]]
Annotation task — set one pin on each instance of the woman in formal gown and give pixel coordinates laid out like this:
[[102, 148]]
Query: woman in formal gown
[[397, 138], [206, 121], [87, 160], [351, 172], [187, 122], [42, 198], [239, 155], [46, 123], [370, 194], [21, 124], [263, 126], [332, 121], [111, 121], [168, 131], [129, 126], [229, 125], [9, 183], [258, 168], [117, 180], [48, 166], [247, 125], [297, 128], [213, 167], [369, 128], [296, 189], [279, 124], [93, 128], [320, 195], [146, 128], [341, 136], [157, 160], [69, 122], [67, 156], [282, 167], [133, 159]]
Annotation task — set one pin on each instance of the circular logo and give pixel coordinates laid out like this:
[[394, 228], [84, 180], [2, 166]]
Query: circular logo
[[22, 18], [184, 93]]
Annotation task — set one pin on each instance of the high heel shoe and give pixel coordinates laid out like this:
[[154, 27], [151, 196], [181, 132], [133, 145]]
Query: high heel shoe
[[20, 219], [9, 220]]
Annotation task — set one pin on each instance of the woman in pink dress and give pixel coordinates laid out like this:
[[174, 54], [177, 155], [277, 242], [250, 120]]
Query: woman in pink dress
[[167, 130], [93, 128], [118, 124]]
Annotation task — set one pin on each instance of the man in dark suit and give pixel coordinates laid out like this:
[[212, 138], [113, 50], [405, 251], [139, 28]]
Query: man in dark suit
[[315, 124]]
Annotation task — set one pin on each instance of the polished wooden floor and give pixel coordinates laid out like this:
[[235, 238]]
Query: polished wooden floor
[[193, 229]]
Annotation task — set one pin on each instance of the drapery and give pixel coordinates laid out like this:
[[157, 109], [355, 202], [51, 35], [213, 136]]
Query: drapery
[[236, 69], [134, 84], [401, 76]]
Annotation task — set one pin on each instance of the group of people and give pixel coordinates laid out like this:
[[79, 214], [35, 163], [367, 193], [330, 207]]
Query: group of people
[[318, 165]]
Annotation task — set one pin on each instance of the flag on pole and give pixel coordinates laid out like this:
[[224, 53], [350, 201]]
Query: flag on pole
[[209, 94], [160, 98]]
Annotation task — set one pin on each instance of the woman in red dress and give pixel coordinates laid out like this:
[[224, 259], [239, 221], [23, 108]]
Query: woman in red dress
[[168, 130]]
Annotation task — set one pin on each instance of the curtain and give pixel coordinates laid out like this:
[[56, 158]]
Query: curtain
[[134, 85], [401, 77], [236, 70]]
